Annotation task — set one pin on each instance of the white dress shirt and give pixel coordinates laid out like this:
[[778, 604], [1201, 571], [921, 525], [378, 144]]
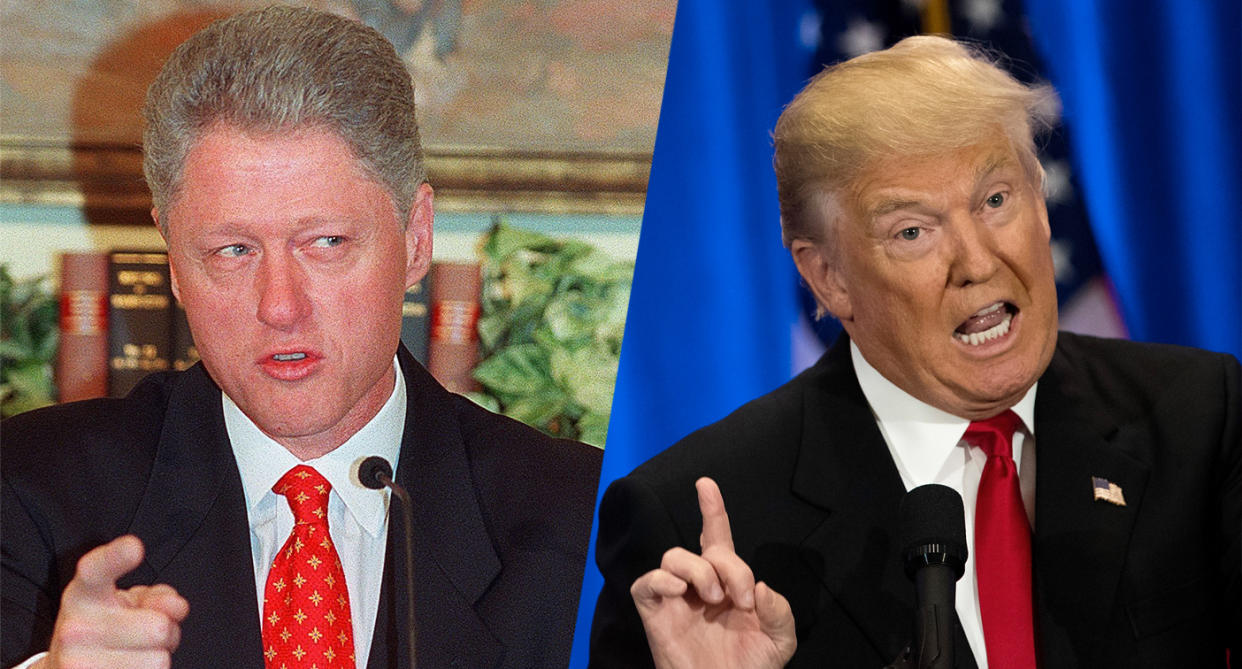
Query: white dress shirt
[[927, 447], [357, 516]]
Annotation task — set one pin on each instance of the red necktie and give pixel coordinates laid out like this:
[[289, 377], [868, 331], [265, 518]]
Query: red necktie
[[1003, 548], [306, 618]]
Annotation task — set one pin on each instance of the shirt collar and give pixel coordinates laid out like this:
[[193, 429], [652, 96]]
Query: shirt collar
[[922, 436], [262, 461]]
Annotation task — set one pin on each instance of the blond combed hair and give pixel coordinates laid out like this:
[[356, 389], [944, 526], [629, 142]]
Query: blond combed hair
[[922, 96], [280, 69]]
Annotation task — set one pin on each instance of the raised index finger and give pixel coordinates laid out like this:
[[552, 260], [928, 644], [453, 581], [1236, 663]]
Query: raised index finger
[[716, 532], [99, 569]]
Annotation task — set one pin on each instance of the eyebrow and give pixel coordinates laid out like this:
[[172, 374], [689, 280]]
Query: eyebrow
[[993, 163], [889, 206]]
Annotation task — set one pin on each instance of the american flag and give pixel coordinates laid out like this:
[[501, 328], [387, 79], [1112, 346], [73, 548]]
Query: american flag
[[1106, 490]]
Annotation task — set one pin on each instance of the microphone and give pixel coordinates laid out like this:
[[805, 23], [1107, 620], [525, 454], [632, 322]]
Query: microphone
[[375, 473], [933, 540]]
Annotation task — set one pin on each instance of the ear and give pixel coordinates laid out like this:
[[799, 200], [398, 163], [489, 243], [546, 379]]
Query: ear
[[1041, 205], [418, 236], [172, 269], [823, 277]]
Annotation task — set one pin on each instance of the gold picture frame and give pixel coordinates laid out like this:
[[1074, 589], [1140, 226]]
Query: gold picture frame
[[523, 106]]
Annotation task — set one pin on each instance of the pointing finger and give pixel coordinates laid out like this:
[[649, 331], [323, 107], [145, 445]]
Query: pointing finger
[[100, 568], [716, 532]]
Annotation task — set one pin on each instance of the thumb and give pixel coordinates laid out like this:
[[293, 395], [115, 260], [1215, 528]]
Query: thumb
[[99, 569], [776, 619]]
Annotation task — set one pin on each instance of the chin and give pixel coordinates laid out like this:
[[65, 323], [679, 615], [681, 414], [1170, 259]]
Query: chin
[[1005, 392]]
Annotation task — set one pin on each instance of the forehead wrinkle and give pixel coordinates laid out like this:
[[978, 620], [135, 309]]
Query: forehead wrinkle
[[996, 159]]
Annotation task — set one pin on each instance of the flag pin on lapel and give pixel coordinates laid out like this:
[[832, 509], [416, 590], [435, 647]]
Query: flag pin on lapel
[[1107, 490]]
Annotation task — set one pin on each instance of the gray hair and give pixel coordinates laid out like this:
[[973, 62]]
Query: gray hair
[[922, 96], [278, 69]]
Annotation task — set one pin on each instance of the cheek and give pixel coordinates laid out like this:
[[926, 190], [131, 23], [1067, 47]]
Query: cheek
[[374, 299]]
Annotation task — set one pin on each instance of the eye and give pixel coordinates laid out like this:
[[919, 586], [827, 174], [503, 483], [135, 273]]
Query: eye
[[995, 200], [328, 241], [909, 234], [234, 250]]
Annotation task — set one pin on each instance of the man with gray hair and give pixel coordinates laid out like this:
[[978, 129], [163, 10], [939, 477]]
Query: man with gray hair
[[215, 517], [1101, 480]]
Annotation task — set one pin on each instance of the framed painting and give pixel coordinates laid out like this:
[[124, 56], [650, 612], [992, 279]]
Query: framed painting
[[543, 106]]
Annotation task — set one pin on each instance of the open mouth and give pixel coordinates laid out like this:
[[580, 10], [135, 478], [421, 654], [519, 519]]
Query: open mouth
[[289, 357], [290, 365], [991, 322]]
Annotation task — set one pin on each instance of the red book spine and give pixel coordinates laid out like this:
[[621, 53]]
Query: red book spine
[[82, 360], [453, 344]]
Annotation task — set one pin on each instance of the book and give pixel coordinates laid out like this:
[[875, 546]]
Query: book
[[139, 318], [453, 341], [82, 358], [416, 318], [184, 354]]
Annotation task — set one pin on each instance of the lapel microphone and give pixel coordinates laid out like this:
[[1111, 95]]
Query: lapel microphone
[[933, 539], [375, 473]]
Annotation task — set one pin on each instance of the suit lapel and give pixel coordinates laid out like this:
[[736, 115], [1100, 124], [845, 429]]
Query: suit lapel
[[454, 561], [1080, 542], [844, 467], [192, 520]]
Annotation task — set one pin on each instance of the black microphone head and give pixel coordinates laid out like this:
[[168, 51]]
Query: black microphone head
[[933, 529], [369, 471]]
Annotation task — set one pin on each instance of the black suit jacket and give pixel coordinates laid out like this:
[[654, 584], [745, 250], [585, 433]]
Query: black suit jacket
[[812, 495], [502, 518]]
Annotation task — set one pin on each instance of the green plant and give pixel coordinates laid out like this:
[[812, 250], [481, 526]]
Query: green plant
[[553, 312], [28, 339]]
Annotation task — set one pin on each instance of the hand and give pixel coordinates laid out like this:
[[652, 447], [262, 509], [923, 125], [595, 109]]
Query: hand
[[101, 626], [706, 610]]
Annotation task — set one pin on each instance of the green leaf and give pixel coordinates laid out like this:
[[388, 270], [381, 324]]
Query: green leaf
[[588, 374], [504, 240], [492, 328], [484, 400], [593, 429], [29, 387], [28, 323], [514, 369], [542, 410], [572, 317], [553, 316]]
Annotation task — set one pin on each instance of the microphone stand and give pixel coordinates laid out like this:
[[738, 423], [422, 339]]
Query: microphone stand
[[408, 513], [375, 473]]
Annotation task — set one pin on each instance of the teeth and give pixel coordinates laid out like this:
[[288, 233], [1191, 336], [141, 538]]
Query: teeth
[[286, 357], [983, 312], [976, 338]]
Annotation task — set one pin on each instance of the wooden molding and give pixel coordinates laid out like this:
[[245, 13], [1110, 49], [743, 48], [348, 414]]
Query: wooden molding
[[106, 180]]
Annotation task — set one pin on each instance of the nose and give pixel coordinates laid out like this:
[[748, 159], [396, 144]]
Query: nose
[[974, 252], [281, 284]]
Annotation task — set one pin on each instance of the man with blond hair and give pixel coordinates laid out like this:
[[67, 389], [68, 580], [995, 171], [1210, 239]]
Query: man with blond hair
[[1101, 480], [217, 517]]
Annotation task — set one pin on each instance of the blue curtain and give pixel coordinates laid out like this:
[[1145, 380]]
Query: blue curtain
[[1153, 95], [708, 326]]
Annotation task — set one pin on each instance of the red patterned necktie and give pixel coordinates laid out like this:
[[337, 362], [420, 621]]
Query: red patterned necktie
[[1003, 548], [306, 620]]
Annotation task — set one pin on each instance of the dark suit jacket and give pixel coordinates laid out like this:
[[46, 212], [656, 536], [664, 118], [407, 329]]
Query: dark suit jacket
[[812, 495], [502, 518]]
